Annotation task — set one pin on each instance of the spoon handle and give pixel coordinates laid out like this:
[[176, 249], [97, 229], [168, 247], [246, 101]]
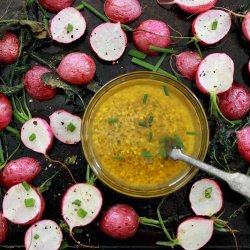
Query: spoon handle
[[237, 181]]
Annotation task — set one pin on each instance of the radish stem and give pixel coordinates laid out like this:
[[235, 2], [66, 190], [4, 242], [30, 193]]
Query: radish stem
[[13, 131], [40, 60]]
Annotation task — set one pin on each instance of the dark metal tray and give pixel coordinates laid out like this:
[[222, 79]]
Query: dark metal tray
[[177, 203]]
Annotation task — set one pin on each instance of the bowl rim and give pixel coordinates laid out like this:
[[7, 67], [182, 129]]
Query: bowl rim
[[111, 182]]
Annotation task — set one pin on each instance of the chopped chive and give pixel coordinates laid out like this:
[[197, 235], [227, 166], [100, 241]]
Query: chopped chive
[[145, 98], [136, 53], [168, 51], [71, 127], [165, 89], [118, 157], [77, 202], [142, 124], [82, 213], [36, 237], [112, 121], [178, 141], [163, 153], [26, 185], [32, 137], [150, 136], [29, 202], [95, 12], [70, 28], [214, 25], [146, 154], [150, 119], [159, 63], [191, 133], [208, 192]]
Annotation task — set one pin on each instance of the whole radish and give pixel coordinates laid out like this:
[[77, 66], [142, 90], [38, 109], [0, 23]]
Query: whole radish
[[67, 26], [34, 85], [235, 103], [19, 170], [55, 5], [77, 68], [5, 111], [196, 6], [157, 35], [187, 64], [246, 26], [249, 67], [122, 11], [9, 48], [243, 142], [120, 221], [3, 228]]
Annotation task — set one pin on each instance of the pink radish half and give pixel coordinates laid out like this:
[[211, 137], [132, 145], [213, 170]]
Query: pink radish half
[[193, 6], [215, 73], [243, 141], [37, 135], [81, 204], [206, 197], [195, 232], [246, 26], [68, 25], [42, 235], [66, 127], [211, 26], [3, 228], [108, 41], [22, 205]]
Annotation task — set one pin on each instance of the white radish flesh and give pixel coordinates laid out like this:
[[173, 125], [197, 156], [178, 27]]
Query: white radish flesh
[[37, 135], [215, 74], [68, 25], [195, 232], [81, 204], [206, 197], [211, 26], [21, 206], [66, 127], [43, 235], [108, 41]]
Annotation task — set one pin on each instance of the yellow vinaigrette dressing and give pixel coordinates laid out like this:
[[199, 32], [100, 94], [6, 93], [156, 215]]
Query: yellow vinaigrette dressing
[[130, 128]]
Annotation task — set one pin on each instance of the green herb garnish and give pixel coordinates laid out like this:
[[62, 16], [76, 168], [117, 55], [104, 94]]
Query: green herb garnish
[[191, 133], [118, 157], [32, 137], [146, 154], [163, 153], [145, 98], [136, 53], [70, 160], [165, 90], [77, 202], [36, 237], [26, 185], [208, 192], [82, 213], [142, 124], [70, 28], [150, 119], [150, 136], [178, 142], [214, 25], [71, 127], [112, 121], [29, 202]]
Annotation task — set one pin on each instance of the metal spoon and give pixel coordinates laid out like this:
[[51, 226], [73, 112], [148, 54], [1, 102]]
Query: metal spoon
[[236, 181]]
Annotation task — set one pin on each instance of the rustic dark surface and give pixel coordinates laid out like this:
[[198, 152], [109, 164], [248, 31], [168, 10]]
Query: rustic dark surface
[[234, 45]]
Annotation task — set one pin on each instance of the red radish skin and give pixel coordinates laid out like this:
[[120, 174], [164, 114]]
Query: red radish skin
[[120, 221], [19, 170], [243, 142], [67, 26], [235, 103], [249, 66], [3, 228], [203, 30], [246, 26], [9, 48], [187, 64], [34, 85], [77, 68], [5, 111], [196, 6], [122, 11], [55, 5], [158, 35]]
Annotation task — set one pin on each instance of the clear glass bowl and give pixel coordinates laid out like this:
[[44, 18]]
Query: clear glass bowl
[[122, 83]]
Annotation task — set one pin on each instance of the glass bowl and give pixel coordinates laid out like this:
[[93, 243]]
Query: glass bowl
[[126, 129]]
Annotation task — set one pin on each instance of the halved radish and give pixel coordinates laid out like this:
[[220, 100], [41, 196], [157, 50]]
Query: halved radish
[[4, 229], [206, 197], [81, 204], [44, 234], [65, 126], [211, 26], [67, 26], [22, 204], [246, 26], [195, 232], [37, 135], [108, 41], [243, 142], [215, 73], [193, 6]]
